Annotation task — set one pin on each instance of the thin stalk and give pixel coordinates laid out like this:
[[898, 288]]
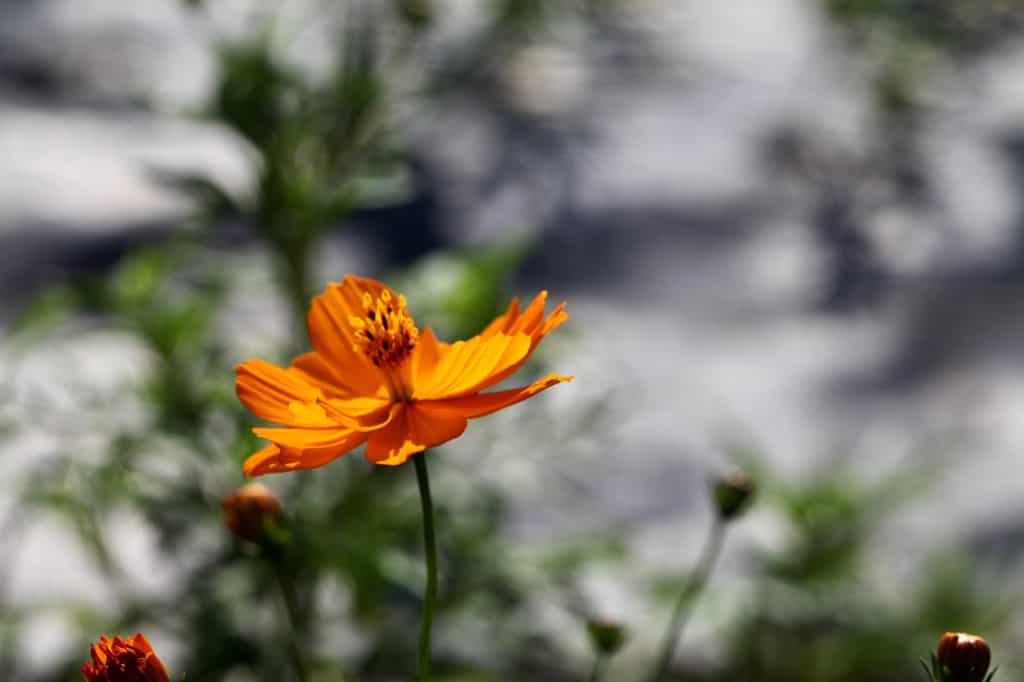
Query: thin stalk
[[680, 614], [599, 665], [291, 607], [430, 551]]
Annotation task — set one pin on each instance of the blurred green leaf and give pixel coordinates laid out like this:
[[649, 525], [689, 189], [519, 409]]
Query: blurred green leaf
[[45, 313]]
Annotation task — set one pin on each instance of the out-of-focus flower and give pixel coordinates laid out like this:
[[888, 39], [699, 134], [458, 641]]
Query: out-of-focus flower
[[607, 637], [124, 660], [249, 510], [963, 657], [732, 494], [373, 377]]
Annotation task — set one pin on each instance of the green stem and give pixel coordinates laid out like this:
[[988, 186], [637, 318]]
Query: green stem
[[430, 549], [295, 276], [291, 607], [709, 554], [599, 665]]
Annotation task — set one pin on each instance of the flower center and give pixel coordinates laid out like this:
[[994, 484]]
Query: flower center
[[385, 333]]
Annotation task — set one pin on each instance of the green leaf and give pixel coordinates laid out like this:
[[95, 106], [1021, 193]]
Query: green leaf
[[927, 671]]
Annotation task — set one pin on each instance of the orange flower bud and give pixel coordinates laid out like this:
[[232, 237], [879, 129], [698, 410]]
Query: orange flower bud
[[120, 660], [248, 510], [965, 657]]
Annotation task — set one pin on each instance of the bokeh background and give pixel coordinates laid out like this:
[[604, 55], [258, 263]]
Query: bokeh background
[[791, 236]]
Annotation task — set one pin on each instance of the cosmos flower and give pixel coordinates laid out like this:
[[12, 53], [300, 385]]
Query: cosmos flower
[[120, 660], [373, 377]]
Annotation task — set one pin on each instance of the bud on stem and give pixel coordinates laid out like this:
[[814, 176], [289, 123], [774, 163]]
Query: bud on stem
[[249, 512], [961, 658], [732, 494], [607, 637]]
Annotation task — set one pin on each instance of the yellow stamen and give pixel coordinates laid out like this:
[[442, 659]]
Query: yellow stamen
[[385, 333]]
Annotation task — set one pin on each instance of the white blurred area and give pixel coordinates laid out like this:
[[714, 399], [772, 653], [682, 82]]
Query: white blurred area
[[692, 267]]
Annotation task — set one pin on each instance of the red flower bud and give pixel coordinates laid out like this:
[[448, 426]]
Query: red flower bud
[[248, 510], [965, 657]]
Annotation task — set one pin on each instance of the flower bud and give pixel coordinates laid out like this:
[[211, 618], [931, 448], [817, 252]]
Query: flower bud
[[963, 657], [120, 660], [732, 494], [249, 510], [607, 637]]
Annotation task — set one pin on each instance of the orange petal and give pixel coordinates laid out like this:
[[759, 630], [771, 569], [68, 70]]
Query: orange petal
[[481, 404], [305, 448], [532, 320], [98, 651], [332, 335], [414, 429], [276, 458], [313, 438], [279, 396], [315, 371], [525, 323], [263, 461], [467, 372], [502, 322], [361, 414], [468, 365], [425, 357], [537, 328]]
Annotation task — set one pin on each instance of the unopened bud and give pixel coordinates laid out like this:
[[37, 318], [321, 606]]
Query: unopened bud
[[732, 494], [963, 657], [250, 510], [607, 637]]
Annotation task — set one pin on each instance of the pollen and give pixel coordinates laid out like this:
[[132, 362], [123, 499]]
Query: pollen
[[386, 332]]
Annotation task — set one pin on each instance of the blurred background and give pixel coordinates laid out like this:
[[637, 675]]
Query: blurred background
[[791, 237]]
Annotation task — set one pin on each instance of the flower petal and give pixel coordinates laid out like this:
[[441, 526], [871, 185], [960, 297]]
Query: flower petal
[[414, 429], [425, 357], [533, 323], [512, 322], [481, 404], [301, 438], [274, 459], [279, 396], [527, 321], [502, 322], [332, 335], [307, 448], [469, 367], [361, 414], [315, 371], [468, 364], [263, 461]]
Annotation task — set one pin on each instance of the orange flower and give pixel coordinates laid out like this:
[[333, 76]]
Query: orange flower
[[120, 660], [373, 377]]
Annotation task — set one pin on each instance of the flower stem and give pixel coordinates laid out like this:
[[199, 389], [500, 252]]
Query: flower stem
[[430, 550], [291, 607], [708, 556], [600, 662]]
